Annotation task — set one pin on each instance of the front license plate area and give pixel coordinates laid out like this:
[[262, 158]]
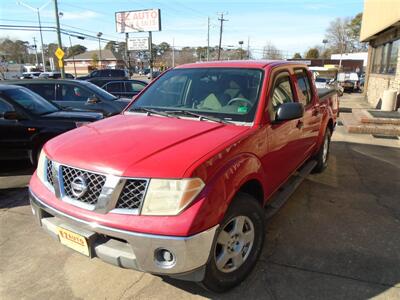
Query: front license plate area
[[74, 241]]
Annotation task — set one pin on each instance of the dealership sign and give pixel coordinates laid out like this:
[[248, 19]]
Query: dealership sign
[[138, 44], [138, 20]]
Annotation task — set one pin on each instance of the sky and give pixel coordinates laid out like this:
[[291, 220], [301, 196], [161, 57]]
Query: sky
[[291, 25]]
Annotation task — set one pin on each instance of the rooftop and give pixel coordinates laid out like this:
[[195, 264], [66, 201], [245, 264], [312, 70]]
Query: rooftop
[[106, 54], [237, 64]]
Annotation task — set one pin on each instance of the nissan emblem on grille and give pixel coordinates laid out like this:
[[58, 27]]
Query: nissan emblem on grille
[[79, 186]]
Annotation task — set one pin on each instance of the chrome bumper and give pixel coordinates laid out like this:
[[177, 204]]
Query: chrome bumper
[[138, 252]]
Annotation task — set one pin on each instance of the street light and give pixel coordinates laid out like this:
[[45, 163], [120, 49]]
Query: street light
[[241, 49], [37, 10], [73, 55], [99, 36]]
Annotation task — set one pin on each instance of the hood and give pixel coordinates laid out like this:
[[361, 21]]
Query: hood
[[73, 115], [139, 145]]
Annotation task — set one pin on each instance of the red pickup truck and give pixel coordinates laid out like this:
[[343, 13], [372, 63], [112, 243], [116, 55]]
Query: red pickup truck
[[177, 184]]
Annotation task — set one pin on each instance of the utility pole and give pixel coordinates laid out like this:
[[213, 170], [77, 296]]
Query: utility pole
[[59, 38], [128, 59], [222, 20], [151, 54], [37, 58], [208, 38], [173, 52]]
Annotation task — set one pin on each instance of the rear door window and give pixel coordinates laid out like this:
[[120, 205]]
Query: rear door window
[[46, 90], [69, 92], [134, 87], [304, 86], [114, 87]]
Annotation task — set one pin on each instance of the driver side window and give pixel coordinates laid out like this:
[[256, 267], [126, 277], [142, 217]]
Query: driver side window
[[282, 93], [5, 106]]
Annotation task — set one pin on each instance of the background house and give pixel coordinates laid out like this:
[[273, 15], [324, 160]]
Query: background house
[[381, 28], [90, 60]]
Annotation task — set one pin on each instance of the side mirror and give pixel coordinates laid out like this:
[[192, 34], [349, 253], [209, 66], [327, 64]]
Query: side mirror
[[10, 115], [289, 111], [93, 100]]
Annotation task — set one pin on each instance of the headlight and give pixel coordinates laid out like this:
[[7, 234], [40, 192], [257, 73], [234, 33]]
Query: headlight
[[169, 197], [41, 167]]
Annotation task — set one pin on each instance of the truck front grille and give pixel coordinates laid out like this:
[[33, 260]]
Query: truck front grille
[[94, 182], [132, 194], [50, 172]]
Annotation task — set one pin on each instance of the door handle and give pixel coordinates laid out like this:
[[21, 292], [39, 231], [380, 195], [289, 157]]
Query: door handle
[[299, 124]]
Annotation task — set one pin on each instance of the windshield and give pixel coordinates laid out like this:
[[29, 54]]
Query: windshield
[[31, 101], [99, 91], [230, 94]]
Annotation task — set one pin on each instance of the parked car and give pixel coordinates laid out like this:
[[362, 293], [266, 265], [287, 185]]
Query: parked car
[[27, 121], [30, 75], [328, 83], [349, 81], [176, 185], [110, 73], [120, 88], [78, 94], [55, 75], [153, 75]]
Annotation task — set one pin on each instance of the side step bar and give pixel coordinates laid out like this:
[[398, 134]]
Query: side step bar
[[283, 194]]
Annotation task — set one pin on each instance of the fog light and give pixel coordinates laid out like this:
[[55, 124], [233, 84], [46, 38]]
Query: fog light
[[164, 258]]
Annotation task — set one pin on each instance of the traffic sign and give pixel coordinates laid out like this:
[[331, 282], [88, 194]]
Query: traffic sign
[[59, 53], [60, 63]]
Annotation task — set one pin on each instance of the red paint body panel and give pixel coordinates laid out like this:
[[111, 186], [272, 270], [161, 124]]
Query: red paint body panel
[[224, 156]]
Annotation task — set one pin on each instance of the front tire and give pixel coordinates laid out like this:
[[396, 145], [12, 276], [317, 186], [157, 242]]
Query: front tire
[[237, 245], [323, 153]]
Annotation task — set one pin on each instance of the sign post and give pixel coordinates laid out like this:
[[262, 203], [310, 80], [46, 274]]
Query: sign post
[[60, 54], [147, 20]]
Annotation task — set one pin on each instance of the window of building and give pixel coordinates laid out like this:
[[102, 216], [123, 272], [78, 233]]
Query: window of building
[[385, 58]]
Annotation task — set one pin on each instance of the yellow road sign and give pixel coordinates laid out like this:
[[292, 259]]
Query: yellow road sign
[[59, 53], [60, 63]]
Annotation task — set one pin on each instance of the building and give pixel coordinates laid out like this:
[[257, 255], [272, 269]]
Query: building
[[352, 56], [347, 65], [90, 60], [381, 29]]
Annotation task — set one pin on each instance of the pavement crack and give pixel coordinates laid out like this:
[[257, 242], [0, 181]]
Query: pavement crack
[[333, 275], [131, 286]]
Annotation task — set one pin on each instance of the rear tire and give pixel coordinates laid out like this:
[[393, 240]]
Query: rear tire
[[237, 245], [323, 154]]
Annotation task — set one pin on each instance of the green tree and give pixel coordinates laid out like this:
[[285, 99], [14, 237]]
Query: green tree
[[312, 53], [297, 55], [76, 49]]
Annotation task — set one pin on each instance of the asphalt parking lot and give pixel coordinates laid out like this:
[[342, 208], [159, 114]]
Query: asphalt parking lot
[[336, 238]]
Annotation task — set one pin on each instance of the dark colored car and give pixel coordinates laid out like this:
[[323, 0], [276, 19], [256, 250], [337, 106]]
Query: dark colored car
[[120, 88], [113, 73], [27, 121], [55, 75], [78, 94]]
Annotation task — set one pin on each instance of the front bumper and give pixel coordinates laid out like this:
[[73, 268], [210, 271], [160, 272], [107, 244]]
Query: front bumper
[[128, 249]]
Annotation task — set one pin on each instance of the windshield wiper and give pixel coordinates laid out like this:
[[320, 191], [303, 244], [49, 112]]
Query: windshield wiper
[[153, 112], [200, 116]]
